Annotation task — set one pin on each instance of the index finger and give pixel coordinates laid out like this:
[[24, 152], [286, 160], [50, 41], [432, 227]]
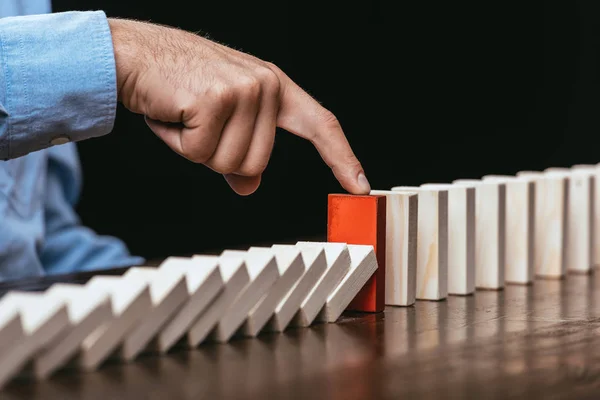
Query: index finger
[[303, 116]]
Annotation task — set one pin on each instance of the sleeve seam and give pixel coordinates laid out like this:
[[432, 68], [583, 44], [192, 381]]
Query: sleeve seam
[[6, 95], [103, 32]]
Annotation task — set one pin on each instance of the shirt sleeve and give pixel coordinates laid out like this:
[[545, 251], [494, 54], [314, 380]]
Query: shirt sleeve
[[57, 80]]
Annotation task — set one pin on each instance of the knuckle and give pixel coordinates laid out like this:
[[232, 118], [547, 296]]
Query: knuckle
[[274, 68], [196, 151], [250, 86], [197, 156], [222, 94], [253, 168], [225, 165], [269, 80], [328, 119]]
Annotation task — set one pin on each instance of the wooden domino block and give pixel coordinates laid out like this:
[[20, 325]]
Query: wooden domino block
[[363, 263], [569, 254], [582, 219], [87, 309], [432, 242], [43, 320], [490, 232], [204, 283], [264, 273], [337, 258], [130, 300], [400, 247], [291, 267], [551, 202], [356, 219], [168, 292], [301, 301], [11, 327], [235, 277], [595, 231], [520, 227], [461, 237]]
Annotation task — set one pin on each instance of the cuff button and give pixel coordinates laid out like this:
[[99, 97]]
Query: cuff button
[[60, 140]]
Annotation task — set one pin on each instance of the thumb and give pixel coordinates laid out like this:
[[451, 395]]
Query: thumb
[[243, 185], [303, 116]]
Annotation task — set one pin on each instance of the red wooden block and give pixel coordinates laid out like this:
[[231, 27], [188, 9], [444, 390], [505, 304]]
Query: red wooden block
[[356, 219]]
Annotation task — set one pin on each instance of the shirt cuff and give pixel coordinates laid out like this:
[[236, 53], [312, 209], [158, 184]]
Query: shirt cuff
[[57, 80]]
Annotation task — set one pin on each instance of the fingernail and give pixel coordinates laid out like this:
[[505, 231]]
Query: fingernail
[[363, 183]]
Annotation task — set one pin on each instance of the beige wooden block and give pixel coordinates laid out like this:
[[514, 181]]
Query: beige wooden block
[[580, 220], [594, 170], [401, 247], [551, 201], [461, 237], [520, 227], [490, 231], [432, 242]]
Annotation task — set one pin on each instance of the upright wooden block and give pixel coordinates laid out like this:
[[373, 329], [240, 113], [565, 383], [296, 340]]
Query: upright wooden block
[[204, 283], [400, 247], [432, 242], [356, 219], [584, 194], [551, 202], [580, 220], [520, 227], [567, 251], [461, 237], [490, 231]]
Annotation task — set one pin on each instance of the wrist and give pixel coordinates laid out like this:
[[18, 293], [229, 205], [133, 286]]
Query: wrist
[[124, 52]]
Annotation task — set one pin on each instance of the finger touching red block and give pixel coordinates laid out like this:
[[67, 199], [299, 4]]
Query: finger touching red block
[[355, 219]]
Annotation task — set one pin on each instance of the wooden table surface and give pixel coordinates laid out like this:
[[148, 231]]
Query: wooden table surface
[[540, 341]]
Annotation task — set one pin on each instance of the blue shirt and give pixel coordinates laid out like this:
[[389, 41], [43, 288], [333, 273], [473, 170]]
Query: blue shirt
[[57, 86]]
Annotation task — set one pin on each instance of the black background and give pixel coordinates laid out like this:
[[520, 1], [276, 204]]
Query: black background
[[425, 93]]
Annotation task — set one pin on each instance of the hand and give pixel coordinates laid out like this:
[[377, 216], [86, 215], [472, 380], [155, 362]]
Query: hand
[[220, 107]]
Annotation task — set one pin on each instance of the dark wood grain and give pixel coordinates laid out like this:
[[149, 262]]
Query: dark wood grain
[[540, 341]]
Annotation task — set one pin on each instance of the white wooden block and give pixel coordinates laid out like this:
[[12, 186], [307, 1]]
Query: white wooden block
[[43, 319], [168, 292], [337, 258], [204, 282], [461, 237], [263, 272], [291, 268], [87, 309], [130, 301], [520, 227], [595, 211], [363, 264], [235, 277], [580, 220], [315, 266], [11, 328], [490, 232], [401, 247], [432, 242], [551, 202]]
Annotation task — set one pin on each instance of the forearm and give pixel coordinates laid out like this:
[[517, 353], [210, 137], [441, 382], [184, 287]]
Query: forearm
[[57, 80]]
